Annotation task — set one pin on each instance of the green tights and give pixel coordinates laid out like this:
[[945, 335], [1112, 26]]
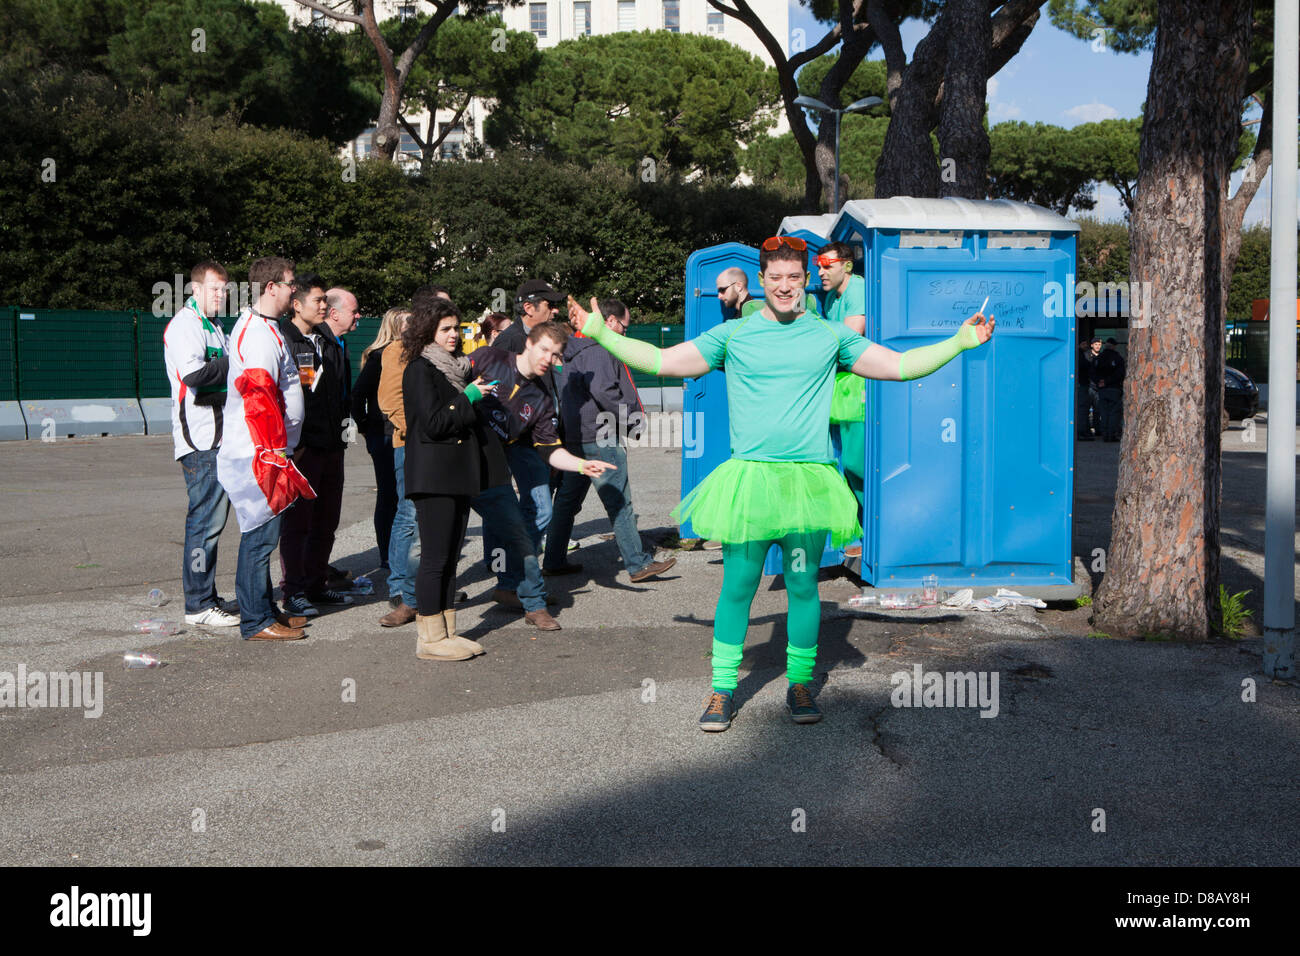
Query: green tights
[[742, 569]]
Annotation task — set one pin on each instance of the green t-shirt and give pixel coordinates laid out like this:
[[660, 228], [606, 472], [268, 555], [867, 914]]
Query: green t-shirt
[[852, 302], [780, 376]]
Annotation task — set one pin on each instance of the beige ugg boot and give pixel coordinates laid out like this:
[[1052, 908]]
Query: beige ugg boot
[[449, 616], [431, 642]]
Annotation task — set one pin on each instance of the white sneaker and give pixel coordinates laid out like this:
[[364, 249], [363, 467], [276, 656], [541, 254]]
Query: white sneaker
[[212, 617]]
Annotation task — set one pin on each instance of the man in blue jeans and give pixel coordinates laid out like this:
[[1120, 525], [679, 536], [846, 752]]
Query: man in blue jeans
[[194, 352], [598, 398]]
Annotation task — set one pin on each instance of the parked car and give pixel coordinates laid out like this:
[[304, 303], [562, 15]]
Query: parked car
[[1240, 394]]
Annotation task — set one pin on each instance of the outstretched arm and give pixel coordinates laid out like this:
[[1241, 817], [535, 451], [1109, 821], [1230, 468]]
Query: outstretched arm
[[681, 361], [887, 365]]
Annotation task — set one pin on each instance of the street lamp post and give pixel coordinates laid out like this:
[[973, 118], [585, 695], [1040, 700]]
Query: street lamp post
[[812, 103]]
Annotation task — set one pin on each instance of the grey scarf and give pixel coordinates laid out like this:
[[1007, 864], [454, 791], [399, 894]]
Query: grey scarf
[[455, 367]]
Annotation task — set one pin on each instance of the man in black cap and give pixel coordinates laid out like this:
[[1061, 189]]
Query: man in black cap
[[535, 302], [1087, 403]]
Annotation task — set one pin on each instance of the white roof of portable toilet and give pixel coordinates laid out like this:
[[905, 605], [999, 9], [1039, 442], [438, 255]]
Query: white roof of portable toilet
[[817, 225], [906, 212]]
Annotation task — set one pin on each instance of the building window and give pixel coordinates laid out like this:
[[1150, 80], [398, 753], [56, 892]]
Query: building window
[[582, 18], [494, 9], [365, 143], [453, 146], [626, 15], [716, 19], [408, 145], [405, 11], [537, 19], [672, 16]]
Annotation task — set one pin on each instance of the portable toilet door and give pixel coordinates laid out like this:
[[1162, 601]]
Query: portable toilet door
[[970, 470]]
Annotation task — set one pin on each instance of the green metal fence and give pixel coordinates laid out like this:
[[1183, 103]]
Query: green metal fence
[[8, 355], [67, 353]]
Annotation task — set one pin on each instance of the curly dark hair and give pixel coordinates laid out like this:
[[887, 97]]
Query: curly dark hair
[[426, 316]]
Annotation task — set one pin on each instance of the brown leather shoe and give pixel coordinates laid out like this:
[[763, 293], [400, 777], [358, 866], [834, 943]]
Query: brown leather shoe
[[650, 570], [290, 621], [542, 620], [404, 614], [278, 632]]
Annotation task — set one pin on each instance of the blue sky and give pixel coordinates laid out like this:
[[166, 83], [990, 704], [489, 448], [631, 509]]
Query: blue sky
[[1058, 79]]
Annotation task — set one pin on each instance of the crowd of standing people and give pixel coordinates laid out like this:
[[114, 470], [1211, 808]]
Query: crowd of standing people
[[262, 421]]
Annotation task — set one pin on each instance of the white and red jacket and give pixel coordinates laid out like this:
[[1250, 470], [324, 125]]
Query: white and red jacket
[[263, 420]]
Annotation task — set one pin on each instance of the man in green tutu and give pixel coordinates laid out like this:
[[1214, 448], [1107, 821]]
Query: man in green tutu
[[780, 485]]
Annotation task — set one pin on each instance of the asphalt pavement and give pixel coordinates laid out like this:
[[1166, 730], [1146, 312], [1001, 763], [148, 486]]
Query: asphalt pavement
[[581, 746]]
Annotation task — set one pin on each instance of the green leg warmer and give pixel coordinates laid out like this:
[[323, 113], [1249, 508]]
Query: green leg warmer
[[801, 557], [742, 569]]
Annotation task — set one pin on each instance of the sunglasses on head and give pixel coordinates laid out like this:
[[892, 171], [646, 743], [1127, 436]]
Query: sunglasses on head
[[776, 242]]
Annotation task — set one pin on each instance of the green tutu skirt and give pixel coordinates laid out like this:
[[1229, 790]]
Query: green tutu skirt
[[766, 500], [849, 400]]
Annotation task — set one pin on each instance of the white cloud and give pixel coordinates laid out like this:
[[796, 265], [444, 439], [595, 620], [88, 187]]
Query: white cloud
[[1092, 112], [1000, 111]]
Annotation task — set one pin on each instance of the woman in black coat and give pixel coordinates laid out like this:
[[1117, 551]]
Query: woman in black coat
[[448, 461]]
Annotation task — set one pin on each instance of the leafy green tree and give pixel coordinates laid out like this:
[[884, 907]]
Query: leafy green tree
[[214, 56], [396, 69], [861, 140], [679, 99], [869, 79], [1040, 163], [466, 59], [1101, 251], [133, 194]]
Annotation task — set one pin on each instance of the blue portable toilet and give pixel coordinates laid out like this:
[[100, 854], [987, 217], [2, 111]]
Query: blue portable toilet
[[969, 470], [706, 396]]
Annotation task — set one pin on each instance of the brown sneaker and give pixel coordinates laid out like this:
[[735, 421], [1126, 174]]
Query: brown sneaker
[[278, 632], [542, 620], [403, 614], [650, 570]]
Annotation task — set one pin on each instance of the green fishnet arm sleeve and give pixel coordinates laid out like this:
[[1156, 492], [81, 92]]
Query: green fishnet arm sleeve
[[639, 355], [920, 362]]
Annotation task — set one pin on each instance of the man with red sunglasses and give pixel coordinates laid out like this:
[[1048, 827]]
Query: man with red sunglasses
[[781, 485], [845, 301]]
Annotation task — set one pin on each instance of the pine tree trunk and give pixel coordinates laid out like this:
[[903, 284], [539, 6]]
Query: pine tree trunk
[[1162, 568], [962, 137]]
